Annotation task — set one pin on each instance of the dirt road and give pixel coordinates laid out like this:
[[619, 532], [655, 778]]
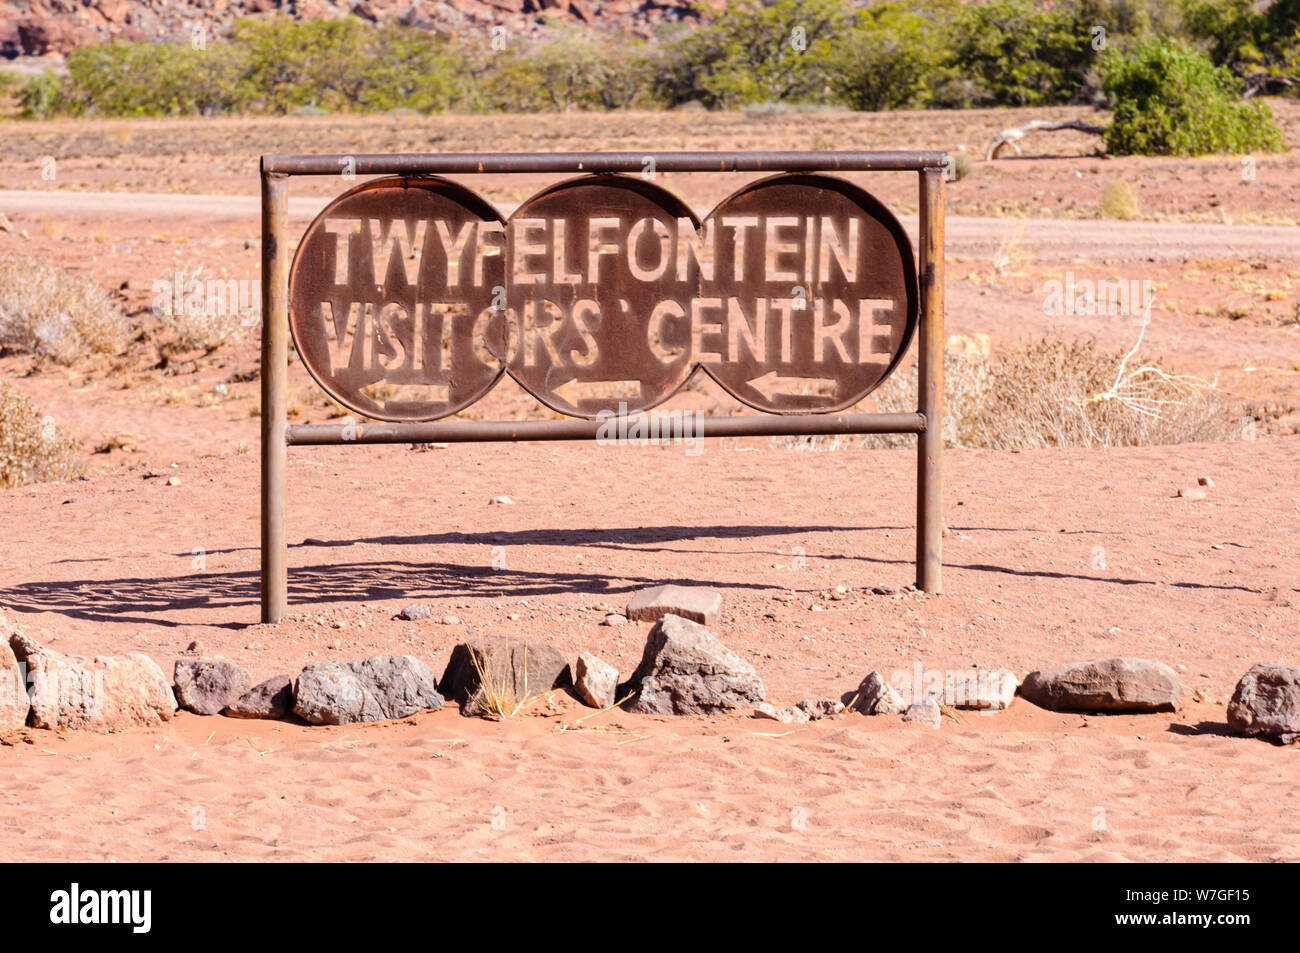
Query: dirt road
[[967, 236]]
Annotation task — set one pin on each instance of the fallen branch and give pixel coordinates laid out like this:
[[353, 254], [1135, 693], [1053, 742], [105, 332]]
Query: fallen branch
[[1009, 137]]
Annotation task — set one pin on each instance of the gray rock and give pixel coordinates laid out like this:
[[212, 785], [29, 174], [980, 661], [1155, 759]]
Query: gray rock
[[106, 692], [1267, 702], [981, 690], [413, 612], [818, 708], [789, 714], [595, 680], [686, 602], [205, 688], [614, 619], [686, 671], [14, 703], [340, 693], [272, 698], [875, 697], [925, 713], [1114, 685], [515, 667]]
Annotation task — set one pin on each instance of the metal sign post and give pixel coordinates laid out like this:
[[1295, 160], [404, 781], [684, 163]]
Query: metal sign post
[[410, 297]]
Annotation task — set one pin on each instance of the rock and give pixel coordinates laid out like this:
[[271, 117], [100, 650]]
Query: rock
[[986, 690], [14, 703], [107, 691], [5, 224], [450, 620], [595, 680], [194, 648], [174, 481], [501, 501], [789, 714], [205, 688], [686, 671], [1117, 684], [884, 590], [818, 708], [614, 619], [1267, 702], [697, 605], [515, 667], [1191, 493], [272, 698], [413, 612], [340, 693], [875, 697], [925, 713], [1205, 481]]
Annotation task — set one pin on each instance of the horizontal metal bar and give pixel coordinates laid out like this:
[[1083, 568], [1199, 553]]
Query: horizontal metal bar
[[669, 425], [453, 163]]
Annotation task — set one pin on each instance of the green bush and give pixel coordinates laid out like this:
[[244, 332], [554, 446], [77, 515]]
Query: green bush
[[1171, 100], [274, 65], [40, 96]]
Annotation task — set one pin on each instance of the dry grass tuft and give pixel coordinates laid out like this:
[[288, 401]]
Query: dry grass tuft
[[47, 311], [1056, 393], [497, 697], [1119, 200], [1013, 256], [33, 449]]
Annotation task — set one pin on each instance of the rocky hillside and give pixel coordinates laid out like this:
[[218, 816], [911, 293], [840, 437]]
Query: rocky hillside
[[54, 27]]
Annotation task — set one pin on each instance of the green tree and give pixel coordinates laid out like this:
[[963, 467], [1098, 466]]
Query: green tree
[[889, 58], [757, 51], [1261, 45], [1016, 53], [406, 68]]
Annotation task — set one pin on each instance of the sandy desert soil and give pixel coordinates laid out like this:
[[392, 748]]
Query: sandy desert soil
[[1052, 556]]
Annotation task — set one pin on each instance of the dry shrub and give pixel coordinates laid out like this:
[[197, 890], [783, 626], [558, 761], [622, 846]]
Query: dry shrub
[[32, 448], [1119, 200], [1056, 393], [47, 311], [204, 320]]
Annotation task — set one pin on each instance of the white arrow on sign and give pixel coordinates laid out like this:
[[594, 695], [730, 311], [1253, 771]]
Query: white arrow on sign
[[771, 384], [384, 393], [574, 390]]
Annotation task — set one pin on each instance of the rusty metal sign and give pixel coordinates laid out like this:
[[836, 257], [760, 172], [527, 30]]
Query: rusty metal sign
[[410, 297]]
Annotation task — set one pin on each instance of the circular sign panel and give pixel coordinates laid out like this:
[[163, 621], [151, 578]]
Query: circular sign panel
[[601, 273], [396, 296], [811, 298]]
